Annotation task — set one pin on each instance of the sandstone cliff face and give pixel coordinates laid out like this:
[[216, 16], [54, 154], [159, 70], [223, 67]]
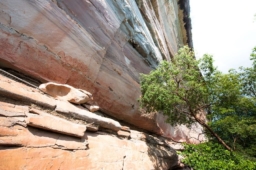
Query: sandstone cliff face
[[99, 46], [35, 134]]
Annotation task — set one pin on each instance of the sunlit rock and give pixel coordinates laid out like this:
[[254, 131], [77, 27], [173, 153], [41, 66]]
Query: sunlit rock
[[66, 92]]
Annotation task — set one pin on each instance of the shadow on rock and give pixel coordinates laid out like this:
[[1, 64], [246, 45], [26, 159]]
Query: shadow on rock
[[161, 154]]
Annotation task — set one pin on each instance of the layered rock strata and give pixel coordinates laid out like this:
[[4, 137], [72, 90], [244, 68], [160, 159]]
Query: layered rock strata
[[94, 45], [46, 121], [34, 136]]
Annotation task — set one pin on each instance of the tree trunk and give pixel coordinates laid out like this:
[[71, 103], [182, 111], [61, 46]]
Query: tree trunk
[[213, 134]]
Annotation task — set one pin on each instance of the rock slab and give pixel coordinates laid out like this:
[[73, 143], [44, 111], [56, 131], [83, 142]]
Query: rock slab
[[55, 124], [81, 113], [9, 88], [105, 152]]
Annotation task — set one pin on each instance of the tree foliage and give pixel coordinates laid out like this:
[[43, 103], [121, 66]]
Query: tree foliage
[[212, 156], [174, 87], [248, 77], [236, 121], [178, 89], [185, 88]]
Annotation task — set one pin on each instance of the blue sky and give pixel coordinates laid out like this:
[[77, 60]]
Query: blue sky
[[225, 29]]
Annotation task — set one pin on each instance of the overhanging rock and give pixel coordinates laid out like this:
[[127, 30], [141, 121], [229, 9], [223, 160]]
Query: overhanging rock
[[98, 46]]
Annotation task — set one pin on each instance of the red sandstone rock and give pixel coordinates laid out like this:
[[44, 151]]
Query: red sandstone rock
[[91, 49], [11, 110], [123, 133], [66, 92], [56, 124], [103, 62], [92, 108], [45, 150], [10, 114], [80, 113], [10, 89], [92, 128], [181, 133], [30, 137], [6, 131], [9, 122], [136, 135], [125, 128], [6, 106]]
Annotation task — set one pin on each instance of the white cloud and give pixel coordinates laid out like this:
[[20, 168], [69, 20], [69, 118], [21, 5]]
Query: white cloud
[[226, 29]]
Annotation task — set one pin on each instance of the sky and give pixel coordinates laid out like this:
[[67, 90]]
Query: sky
[[225, 29]]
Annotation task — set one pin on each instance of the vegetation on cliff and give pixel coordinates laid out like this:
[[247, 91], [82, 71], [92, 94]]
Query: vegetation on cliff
[[185, 89], [212, 156]]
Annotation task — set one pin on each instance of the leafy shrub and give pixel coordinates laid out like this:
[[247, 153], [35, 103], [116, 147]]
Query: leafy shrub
[[212, 156]]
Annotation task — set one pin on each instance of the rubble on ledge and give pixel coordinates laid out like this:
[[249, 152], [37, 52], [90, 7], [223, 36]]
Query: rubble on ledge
[[31, 127]]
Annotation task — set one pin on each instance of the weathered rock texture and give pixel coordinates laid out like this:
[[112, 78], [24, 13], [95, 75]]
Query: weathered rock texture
[[66, 92], [33, 139], [105, 152], [46, 121], [99, 46]]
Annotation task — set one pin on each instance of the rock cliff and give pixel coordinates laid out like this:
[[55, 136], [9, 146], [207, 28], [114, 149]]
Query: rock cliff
[[39, 132], [96, 45]]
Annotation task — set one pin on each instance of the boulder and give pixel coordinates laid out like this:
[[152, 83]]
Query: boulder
[[66, 92]]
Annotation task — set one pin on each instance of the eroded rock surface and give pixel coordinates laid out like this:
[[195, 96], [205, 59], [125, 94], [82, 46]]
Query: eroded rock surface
[[66, 92], [34, 136], [98, 46], [105, 152], [46, 121], [181, 133], [81, 113], [34, 96]]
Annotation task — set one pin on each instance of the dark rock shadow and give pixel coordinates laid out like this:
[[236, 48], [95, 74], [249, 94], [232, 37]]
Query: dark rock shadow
[[160, 153]]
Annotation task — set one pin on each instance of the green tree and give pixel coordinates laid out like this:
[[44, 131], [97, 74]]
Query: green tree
[[183, 92], [236, 122], [212, 156], [248, 77]]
